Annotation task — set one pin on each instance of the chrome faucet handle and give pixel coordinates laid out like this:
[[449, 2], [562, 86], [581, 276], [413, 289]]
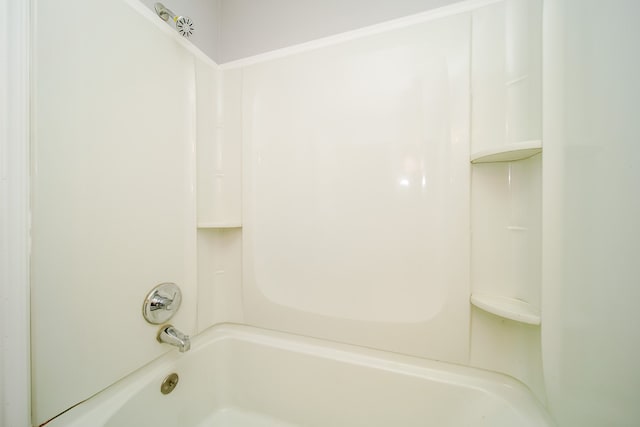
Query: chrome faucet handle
[[161, 303]]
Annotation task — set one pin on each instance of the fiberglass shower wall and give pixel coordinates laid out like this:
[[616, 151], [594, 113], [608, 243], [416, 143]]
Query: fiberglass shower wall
[[356, 190], [113, 193]]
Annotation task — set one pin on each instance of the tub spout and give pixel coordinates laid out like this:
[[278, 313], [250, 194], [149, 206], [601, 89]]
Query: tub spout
[[170, 335]]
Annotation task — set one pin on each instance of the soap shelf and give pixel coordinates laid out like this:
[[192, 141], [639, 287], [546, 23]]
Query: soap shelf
[[509, 308], [220, 225], [508, 153]]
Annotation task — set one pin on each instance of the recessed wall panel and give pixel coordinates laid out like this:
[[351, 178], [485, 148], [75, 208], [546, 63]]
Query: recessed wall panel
[[356, 190]]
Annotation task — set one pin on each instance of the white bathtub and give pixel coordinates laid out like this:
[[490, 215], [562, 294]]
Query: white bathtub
[[243, 376]]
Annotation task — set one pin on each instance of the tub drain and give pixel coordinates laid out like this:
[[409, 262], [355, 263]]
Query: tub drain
[[169, 383]]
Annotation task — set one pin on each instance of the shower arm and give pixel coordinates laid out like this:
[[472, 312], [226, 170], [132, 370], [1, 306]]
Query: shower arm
[[164, 13]]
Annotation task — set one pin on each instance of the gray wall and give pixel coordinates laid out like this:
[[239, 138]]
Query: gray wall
[[250, 27], [227, 30]]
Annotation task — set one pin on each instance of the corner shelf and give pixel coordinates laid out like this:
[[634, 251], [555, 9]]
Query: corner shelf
[[508, 153], [509, 308], [220, 225]]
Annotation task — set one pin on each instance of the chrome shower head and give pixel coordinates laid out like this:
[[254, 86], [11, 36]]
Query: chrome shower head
[[184, 24]]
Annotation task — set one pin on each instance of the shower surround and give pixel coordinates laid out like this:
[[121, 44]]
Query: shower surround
[[337, 214]]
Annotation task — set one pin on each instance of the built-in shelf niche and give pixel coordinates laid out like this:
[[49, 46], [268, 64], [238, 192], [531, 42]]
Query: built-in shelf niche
[[219, 225], [506, 159], [508, 153], [218, 148], [219, 195], [219, 276], [506, 237], [509, 308], [506, 189]]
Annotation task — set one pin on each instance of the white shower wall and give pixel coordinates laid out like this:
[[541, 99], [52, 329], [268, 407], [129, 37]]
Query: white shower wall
[[356, 190], [113, 194], [356, 187], [591, 337]]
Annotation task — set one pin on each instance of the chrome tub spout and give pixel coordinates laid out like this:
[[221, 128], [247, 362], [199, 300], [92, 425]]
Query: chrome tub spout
[[170, 335]]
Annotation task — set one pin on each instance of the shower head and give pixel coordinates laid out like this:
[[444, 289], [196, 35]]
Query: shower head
[[184, 24]]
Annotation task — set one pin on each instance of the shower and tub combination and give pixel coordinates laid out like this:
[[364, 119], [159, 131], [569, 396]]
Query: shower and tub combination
[[345, 232]]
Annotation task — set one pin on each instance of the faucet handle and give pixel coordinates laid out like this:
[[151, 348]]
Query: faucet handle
[[161, 303]]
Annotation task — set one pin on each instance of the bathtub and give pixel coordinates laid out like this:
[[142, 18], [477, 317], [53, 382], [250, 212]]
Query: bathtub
[[243, 376]]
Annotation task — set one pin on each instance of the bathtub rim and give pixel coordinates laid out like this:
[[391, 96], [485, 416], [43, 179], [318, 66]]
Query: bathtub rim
[[99, 408]]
